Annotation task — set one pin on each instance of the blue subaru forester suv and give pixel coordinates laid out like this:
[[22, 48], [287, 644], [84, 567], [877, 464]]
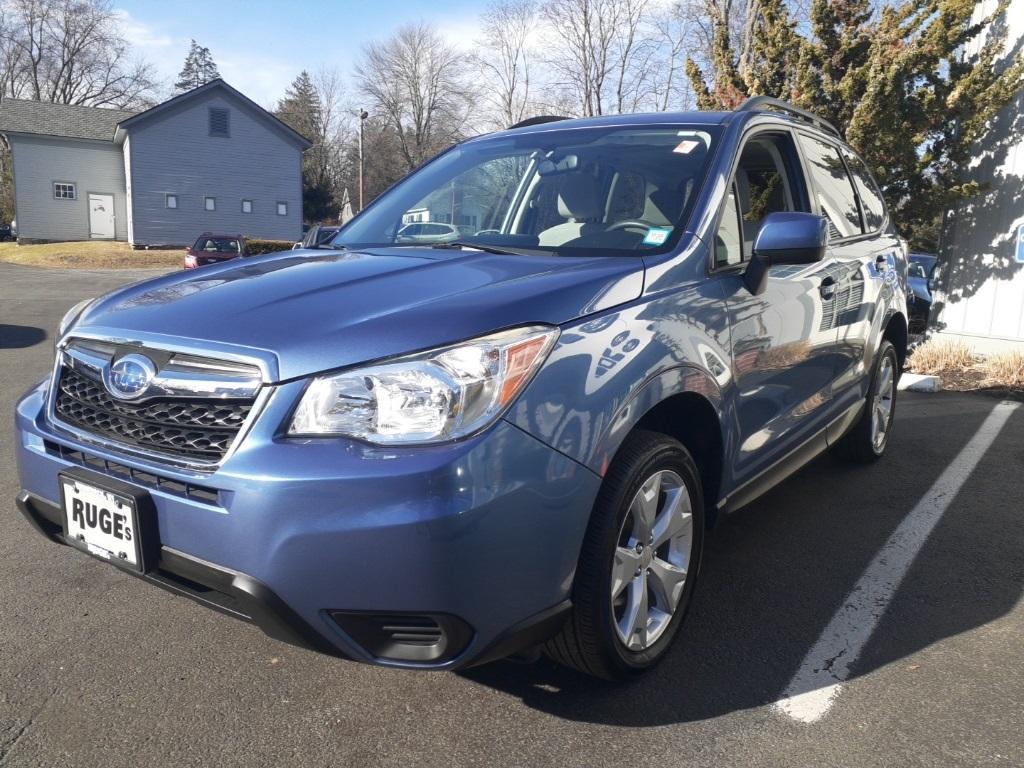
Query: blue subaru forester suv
[[511, 433]]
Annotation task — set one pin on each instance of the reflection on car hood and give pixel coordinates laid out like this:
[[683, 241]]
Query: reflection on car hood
[[312, 310]]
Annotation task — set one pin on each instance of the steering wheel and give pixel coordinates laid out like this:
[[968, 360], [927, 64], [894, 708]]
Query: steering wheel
[[630, 224]]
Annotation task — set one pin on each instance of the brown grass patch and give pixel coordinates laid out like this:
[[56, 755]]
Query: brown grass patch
[[1004, 370], [91, 254], [938, 355]]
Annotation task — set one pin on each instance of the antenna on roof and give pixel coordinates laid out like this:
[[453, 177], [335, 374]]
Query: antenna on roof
[[765, 103]]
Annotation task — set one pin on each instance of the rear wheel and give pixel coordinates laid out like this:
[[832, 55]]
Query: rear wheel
[[867, 439], [639, 561]]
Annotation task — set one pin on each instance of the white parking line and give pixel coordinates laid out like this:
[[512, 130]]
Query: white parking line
[[820, 678]]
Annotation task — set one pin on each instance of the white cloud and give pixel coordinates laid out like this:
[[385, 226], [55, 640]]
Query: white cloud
[[142, 36], [261, 79]]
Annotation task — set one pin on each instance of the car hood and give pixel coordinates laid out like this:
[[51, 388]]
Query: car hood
[[306, 311]]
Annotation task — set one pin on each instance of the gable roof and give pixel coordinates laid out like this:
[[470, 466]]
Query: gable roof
[[64, 120], [282, 127]]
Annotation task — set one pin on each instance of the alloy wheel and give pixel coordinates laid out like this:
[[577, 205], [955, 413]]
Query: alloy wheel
[[881, 403], [652, 559]]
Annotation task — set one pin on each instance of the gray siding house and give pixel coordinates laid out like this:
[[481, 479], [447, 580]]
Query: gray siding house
[[209, 160]]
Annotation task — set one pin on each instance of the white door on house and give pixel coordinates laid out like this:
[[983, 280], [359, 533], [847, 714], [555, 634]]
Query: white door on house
[[101, 216]]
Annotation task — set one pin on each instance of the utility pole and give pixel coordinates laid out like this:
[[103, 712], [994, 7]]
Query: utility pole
[[363, 114]]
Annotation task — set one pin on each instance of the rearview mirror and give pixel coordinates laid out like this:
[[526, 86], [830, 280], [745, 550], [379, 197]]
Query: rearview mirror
[[785, 238]]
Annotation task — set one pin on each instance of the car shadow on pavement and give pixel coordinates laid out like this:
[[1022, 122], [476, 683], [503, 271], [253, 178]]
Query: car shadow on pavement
[[775, 572], [20, 336]]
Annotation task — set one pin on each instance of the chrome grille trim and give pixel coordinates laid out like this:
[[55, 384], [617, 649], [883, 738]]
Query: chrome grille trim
[[183, 376], [209, 379]]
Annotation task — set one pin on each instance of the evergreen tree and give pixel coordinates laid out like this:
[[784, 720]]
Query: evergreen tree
[[896, 83], [199, 69], [300, 108]]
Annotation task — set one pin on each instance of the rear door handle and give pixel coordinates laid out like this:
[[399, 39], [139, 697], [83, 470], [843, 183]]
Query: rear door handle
[[828, 288]]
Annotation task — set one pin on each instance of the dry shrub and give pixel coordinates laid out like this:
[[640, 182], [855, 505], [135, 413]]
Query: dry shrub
[[1005, 369], [937, 355]]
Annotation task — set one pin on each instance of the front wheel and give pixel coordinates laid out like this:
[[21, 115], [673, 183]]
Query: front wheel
[[867, 439], [639, 561]]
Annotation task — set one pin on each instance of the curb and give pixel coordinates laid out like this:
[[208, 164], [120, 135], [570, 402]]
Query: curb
[[915, 382]]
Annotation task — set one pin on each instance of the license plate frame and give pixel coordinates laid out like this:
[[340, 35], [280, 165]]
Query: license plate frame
[[145, 540]]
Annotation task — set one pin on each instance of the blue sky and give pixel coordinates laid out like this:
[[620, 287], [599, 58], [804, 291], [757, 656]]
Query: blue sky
[[260, 45]]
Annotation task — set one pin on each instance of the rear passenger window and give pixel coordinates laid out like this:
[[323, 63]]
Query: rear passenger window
[[834, 197], [870, 198]]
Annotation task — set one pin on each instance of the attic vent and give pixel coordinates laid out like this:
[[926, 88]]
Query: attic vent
[[219, 122]]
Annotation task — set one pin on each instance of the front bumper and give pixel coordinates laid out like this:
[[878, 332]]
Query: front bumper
[[287, 532]]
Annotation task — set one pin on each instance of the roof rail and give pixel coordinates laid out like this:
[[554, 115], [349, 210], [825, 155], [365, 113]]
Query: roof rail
[[762, 103], [538, 120]]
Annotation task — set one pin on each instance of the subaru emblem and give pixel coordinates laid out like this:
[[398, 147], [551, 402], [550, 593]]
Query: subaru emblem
[[129, 376]]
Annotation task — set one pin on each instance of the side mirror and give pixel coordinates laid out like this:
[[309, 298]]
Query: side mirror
[[785, 238]]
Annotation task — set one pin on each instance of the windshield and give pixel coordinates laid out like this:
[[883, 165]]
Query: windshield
[[216, 245], [593, 191], [916, 270]]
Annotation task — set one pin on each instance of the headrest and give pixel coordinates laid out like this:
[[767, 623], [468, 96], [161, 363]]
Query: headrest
[[578, 198], [669, 203]]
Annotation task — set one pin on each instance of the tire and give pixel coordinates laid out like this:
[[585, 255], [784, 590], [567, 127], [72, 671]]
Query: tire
[[593, 639], [860, 444]]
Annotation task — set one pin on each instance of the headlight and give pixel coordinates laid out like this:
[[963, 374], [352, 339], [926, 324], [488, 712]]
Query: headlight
[[68, 321], [431, 397]]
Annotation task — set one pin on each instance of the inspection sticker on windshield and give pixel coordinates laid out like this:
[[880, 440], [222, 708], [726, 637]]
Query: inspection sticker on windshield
[[686, 146], [657, 235]]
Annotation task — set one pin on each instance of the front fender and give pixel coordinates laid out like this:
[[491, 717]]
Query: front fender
[[609, 371]]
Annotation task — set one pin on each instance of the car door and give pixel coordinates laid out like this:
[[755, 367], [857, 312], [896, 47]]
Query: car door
[[783, 348], [865, 258]]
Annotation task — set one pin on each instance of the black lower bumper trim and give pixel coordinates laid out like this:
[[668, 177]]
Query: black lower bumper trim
[[230, 592], [525, 635]]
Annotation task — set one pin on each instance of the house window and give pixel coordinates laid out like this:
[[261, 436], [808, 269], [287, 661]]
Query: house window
[[171, 201], [64, 190], [247, 206], [219, 122], [282, 209], [211, 203]]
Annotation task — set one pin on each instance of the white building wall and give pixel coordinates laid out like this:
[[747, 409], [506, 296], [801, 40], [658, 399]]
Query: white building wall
[[979, 295]]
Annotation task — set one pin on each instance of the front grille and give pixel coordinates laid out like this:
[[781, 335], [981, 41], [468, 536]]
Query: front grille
[[200, 493], [191, 428]]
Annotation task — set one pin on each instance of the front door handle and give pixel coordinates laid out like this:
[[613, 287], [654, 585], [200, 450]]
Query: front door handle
[[828, 288]]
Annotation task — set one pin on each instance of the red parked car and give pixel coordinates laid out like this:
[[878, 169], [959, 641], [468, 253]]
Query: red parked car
[[213, 249]]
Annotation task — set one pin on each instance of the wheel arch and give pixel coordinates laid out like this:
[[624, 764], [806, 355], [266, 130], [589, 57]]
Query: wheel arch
[[896, 333], [684, 403]]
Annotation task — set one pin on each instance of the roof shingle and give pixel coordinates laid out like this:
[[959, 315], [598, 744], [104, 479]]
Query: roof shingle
[[49, 119]]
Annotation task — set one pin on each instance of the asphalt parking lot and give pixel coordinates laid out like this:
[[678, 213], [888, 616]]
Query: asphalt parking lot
[[100, 669]]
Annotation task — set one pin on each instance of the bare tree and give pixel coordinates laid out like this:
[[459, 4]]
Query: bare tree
[[416, 83], [583, 33], [606, 53], [506, 58], [71, 52]]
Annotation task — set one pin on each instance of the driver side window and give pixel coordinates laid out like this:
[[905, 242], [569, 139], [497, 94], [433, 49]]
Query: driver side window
[[767, 181]]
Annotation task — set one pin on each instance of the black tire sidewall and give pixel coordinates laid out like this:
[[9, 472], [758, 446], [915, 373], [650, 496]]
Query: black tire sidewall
[[887, 350], [662, 453]]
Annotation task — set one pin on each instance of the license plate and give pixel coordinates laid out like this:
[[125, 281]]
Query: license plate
[[102, 522]]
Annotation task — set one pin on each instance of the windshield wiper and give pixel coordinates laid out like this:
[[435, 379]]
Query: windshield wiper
[[458, 245]]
